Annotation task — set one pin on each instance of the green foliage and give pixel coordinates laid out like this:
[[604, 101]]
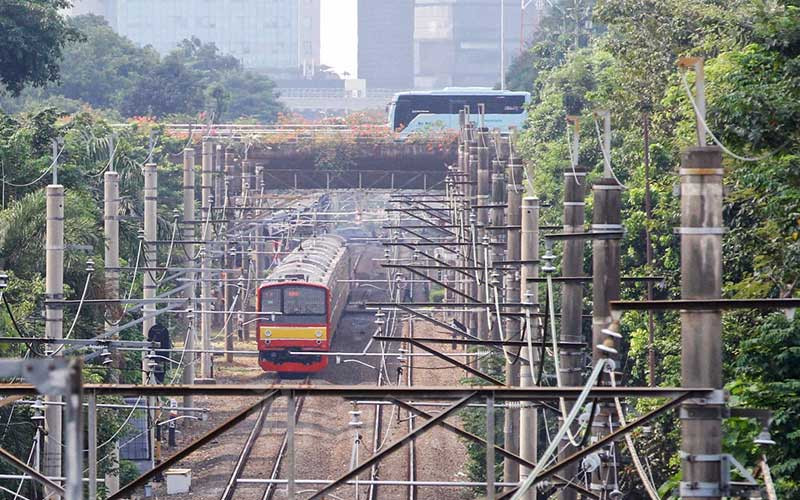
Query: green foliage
[[108, 72], [33, 34], [751, 50]]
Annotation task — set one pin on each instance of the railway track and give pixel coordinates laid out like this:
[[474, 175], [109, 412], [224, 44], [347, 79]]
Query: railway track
[[230, 488]]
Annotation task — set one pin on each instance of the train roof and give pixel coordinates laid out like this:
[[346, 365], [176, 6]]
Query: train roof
[[312, 261]]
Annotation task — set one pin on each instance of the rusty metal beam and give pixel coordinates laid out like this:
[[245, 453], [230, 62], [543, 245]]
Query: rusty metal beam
[[126, 491], [35, 474], [511, 343], [622, 431], [394, 446], [497, 448], [703, 305], [441, 284], [372, 392], [455, 362]]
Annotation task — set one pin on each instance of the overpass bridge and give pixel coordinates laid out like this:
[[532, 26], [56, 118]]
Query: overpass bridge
[[334, 100]]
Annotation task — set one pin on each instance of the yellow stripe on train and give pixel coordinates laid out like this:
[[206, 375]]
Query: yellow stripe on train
[[299, 332]]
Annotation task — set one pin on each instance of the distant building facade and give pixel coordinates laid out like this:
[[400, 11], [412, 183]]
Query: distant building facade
[[281, 37], [386, 43], [457, 42]]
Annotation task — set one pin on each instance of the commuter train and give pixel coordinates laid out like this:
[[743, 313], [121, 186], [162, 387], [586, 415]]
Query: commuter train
[[300, 306]]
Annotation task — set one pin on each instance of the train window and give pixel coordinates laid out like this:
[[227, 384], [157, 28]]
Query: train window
[[303, 300], [296, 305], [271, 300]]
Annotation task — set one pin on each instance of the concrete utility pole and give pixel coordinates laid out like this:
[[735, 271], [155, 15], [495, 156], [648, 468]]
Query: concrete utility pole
[[572, 293], [54, 319], [111, 259], [529, 293], [187, 377], [149, 287], [206, 187], [473, 200], [607, 217], [513, 254], [482, 200], [91, 444], [219, 179], [701, 331]]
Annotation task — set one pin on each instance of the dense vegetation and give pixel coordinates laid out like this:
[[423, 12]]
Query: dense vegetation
[[104, 71], [625, 61]]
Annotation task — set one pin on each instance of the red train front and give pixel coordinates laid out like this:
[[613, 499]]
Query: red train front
[[300, 323], [300, 306]]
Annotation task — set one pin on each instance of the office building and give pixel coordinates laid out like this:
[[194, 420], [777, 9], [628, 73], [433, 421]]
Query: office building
[[457, 42], [281, 37], [386, 43]]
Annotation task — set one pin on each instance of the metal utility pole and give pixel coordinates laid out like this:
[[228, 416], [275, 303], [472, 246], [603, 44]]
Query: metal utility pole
[[701, 331], [572, 293], [529, 293], [149, 286], [513, 254], [54, 318], [607, 217], [187, 377], [205, 285]]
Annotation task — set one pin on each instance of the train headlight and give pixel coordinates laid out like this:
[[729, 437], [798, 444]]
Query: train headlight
[[318, 334], [268, 333]]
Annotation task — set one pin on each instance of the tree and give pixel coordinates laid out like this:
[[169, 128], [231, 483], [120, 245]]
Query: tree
[[251, 95], [104, 68], [168, 88], [33, 34]]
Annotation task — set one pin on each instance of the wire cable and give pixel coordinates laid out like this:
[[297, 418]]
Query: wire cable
[[704, 124], [637, 462], [606, 154], [47, 170]]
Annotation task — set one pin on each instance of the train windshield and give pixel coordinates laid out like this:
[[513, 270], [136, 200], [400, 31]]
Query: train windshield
[[296, 304]]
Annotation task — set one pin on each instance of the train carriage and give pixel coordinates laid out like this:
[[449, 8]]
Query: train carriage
[[301, 305]]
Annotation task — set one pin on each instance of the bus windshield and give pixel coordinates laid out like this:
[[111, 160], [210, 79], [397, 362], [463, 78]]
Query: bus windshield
[[296, 304]]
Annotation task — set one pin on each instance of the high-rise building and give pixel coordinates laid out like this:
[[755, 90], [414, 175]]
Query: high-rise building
[[281, 37], [457, 42], [386, 43]]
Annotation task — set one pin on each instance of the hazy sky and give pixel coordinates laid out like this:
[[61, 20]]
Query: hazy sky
[[339, 31]]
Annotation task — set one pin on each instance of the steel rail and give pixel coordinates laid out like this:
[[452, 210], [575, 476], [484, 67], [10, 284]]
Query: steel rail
[[128, 489], [269, 492], [241, 462], [394, 446]]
